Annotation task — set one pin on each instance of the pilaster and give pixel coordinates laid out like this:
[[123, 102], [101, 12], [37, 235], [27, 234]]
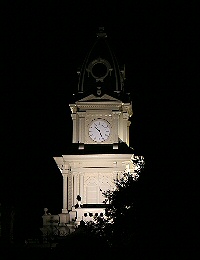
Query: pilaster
[[81, 127], [81, 182], [125, 127], [75, 188], [74, 134], [115, 126]]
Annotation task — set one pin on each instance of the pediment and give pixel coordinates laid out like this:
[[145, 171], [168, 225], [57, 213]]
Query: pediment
[[93, 98]]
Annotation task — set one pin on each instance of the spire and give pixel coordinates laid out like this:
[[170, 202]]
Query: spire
[[100, 71]]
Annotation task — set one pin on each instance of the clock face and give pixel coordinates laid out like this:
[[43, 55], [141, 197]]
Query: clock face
[[99, 130]]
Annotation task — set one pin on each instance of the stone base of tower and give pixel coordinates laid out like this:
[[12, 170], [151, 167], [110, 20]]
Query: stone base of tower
[[66, 222], [56, 226]]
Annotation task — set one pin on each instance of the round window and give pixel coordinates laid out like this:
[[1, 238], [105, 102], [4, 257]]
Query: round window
[[99, 70]]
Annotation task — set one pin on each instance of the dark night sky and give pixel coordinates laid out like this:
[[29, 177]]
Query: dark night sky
[[44, 44]]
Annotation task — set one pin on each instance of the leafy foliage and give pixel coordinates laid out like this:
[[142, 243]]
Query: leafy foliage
[[118, 225]]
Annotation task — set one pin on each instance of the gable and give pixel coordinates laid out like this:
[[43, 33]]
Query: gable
[[93, 98]]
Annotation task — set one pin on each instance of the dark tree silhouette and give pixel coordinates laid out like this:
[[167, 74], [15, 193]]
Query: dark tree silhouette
[[118, 227]]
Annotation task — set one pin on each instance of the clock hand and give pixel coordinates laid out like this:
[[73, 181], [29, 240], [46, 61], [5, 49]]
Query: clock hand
[[99, 131]]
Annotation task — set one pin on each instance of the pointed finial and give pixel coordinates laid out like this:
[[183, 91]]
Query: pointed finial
[[101, 32]]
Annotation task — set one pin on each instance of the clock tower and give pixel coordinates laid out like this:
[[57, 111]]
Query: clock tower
[[100, 152]]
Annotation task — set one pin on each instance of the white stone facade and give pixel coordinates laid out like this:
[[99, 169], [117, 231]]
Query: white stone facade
[[90, 175]]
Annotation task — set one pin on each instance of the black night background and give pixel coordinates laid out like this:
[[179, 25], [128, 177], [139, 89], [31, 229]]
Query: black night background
[[42, 46]]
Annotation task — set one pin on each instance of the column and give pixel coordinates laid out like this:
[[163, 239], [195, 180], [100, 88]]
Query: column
[[65, 194], [70, 191]]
